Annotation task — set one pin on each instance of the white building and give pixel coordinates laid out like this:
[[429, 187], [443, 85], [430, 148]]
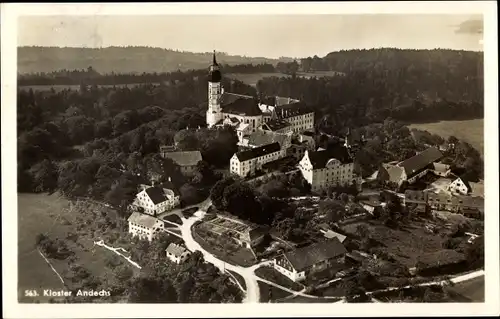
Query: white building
[[460, 186], [156, 200], [325, 168], [144, 226], [246, 163], [246, 114], [176, 253]]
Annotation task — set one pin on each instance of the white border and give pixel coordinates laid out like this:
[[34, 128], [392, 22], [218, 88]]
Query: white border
[[9, 14]]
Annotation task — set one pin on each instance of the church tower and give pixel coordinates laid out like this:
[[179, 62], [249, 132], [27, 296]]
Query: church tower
[[214, 112]]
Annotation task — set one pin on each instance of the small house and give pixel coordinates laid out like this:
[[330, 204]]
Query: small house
[[176, 253], [144, 226]]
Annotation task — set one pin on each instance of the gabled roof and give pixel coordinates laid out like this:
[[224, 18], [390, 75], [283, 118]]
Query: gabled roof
[[320, 158], [440, 167], [175, 250], [143, 220], [259, 138], [417, 163], [258, 152], [275, 125], [305, 257], [240, 104], [184, 158], [157, 194], [394, 172]]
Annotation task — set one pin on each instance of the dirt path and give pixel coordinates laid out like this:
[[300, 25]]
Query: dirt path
[[50, 265], [117, 251]]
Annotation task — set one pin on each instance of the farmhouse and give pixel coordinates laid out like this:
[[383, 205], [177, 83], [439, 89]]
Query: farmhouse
[[246, 163], [461, 185], [144, 226], [155, 200], [300, 263], [187, 161], [328, 233], [176, 253], [411, 169], [332, 167]]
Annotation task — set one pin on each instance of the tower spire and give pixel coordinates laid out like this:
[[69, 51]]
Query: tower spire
[[215, 60]]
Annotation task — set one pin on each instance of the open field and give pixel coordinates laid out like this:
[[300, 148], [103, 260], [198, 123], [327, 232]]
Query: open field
[[471, 289], [52, 214], [471, 131], [406, 245], [253, 78]]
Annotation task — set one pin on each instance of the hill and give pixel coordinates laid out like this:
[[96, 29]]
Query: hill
[[122, 59]]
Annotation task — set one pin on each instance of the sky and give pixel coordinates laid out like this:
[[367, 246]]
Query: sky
[[269, 36]]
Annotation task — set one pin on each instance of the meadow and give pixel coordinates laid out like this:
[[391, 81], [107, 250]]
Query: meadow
[[54, 216], [471, 131]]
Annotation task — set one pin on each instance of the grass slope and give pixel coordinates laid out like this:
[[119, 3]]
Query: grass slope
[[471, 131]]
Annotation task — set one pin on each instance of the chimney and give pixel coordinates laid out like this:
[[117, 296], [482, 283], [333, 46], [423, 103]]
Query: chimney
[[169, 179], [289, 100], [222, 89]]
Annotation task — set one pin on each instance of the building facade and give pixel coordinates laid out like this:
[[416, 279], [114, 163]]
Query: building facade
[[325, 168], [144, 226], [156, 200], [247, 163]]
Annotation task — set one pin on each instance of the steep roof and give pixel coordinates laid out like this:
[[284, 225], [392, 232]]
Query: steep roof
[[417, 163], [320, 158], [259, 138], [156, 194], [143, 219], [258, 152], [275, 125], [240, 104], [184, 158], [305, 257], [175, 249], [440, 167], [393, 172]]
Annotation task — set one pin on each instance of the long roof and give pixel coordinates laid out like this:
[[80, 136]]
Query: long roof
[[319, 159], [292, 109], [258, 152], [275, 125], [190, 158], [305, 257], [417, 163], [143, 219]]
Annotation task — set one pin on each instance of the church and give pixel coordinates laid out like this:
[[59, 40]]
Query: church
[[247, 114]]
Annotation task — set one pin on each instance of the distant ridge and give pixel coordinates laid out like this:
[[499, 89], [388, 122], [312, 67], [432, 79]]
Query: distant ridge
[[133, 59]]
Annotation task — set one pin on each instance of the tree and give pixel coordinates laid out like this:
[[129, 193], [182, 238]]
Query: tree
[[45, 176], [333, 209], [240, 199], [189, 194], [145, 289], [217, 192]]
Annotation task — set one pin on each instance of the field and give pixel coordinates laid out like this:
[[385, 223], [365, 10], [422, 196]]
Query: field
[[472, 289], [407, 244], [471, 131], [253, 78], [51, 214], [61, 87]]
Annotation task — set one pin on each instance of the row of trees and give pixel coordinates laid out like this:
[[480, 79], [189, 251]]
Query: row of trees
[[90, 76]]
